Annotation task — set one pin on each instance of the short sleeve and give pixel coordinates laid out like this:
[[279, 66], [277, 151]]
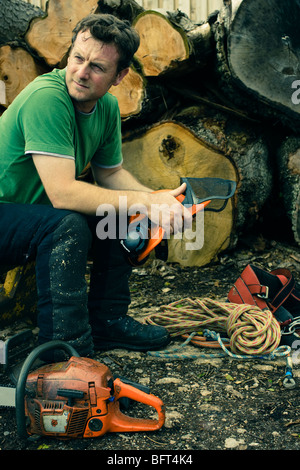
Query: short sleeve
[[46, 119]]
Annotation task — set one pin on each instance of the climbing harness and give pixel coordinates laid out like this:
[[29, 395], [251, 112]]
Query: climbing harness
[[239, 331], [276, 291]]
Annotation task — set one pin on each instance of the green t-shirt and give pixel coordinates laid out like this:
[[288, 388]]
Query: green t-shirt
[[42, 119]]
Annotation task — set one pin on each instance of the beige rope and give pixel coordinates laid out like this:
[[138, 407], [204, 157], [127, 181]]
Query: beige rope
[[250, 329]]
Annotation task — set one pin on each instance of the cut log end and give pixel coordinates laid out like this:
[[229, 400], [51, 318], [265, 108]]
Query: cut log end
[[258, 53], [17, 70], [51, 36], [161, 44], [130, 94]]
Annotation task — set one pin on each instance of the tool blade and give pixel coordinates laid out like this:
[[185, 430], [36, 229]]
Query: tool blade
[[7, 397], [217, 190]]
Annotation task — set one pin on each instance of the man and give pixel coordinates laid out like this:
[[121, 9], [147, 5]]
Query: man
[[56, 126]]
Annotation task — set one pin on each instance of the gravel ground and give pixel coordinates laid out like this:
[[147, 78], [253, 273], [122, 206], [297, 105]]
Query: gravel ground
[[212, 403]]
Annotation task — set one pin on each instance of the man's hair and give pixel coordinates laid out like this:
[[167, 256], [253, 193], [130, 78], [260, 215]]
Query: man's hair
[[111, 30]]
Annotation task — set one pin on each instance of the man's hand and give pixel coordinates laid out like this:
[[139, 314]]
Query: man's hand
[[161, 207], [166, 211]]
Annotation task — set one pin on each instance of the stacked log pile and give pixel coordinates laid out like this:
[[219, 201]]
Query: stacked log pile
[[213, 99]]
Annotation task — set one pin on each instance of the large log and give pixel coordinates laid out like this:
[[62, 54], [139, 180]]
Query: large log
[[258, 49], [231, 139], [167, 47], [196, 144], [288, 161], [17, 69], [170, 41], [244, 144], [15, 16], [123, 9], [131, 93], [50, 36], [17, 64], [141, 101]]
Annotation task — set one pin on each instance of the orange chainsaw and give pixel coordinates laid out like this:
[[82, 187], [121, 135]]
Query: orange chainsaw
[[210, 194], [78, 398]]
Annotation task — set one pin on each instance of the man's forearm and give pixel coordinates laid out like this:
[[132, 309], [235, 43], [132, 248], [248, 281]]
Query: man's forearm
[[65, 192], [161, 208], [120, 179], [86, 198]]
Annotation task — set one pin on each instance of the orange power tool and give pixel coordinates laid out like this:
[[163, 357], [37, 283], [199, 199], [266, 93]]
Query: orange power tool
[[210, 194], [77, 399]]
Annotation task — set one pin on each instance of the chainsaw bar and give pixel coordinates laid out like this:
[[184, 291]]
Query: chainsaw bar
[[7, 397], [14, 348]]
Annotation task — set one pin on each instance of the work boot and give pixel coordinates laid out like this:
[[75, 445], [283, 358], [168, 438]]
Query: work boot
[[125, 332]]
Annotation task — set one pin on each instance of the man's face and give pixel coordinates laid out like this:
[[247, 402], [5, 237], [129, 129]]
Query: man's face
[[91, 71]]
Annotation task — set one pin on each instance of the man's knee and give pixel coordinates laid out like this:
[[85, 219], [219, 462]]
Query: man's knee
[[69, 245], [63, 252], [74, 228]]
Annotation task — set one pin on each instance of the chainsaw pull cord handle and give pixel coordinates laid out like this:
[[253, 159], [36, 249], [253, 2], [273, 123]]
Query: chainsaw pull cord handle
[[21, 383]]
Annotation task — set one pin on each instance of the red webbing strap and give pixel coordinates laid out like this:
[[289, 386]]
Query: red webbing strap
[[247, 289], [288, 282]]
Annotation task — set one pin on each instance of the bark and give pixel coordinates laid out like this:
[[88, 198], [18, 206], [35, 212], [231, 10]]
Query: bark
[[15, 16], [288, 161], [257, 57]]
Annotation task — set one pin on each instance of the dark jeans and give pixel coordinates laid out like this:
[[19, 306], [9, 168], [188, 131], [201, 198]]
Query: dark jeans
[[61, 242]]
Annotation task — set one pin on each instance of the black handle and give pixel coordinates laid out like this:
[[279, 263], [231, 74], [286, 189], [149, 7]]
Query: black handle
[[70, 394]]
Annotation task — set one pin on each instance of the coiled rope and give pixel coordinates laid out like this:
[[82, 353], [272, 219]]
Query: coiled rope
[[251, 332]]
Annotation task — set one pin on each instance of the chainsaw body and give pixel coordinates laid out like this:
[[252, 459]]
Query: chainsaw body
[[80, 398]]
